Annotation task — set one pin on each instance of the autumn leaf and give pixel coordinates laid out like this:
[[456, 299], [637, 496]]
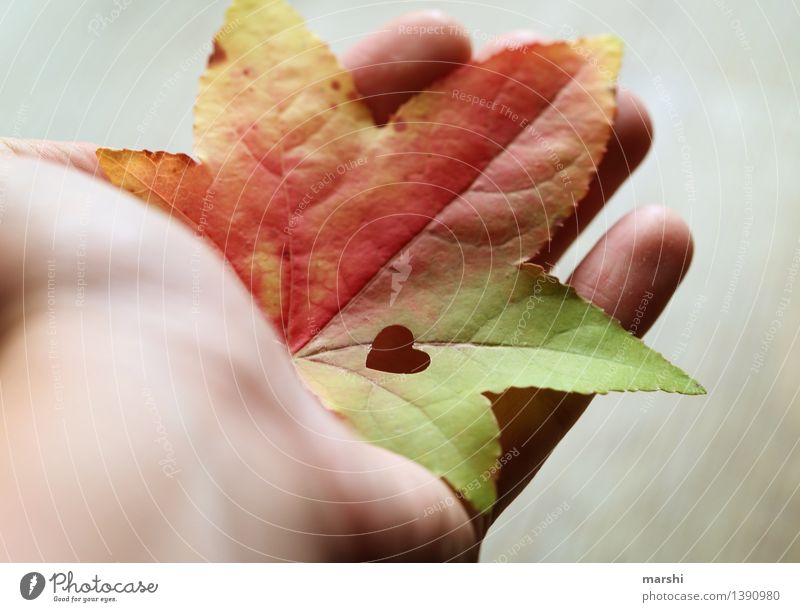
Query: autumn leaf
[[392, 259]]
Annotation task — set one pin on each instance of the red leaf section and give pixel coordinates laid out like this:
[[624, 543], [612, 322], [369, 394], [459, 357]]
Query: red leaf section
[[309, 200]]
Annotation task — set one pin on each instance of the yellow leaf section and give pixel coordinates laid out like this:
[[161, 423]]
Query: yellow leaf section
[[277, 75], [162, 179], [272, 95]]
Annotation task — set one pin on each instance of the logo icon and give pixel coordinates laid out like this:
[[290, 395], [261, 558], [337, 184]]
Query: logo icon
[[31, 585], [401, 270]]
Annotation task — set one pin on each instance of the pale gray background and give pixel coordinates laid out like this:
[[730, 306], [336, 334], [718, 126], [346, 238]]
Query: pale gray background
[[641, 477]]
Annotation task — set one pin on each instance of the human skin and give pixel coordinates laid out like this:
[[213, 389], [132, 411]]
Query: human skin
[[142, 422]]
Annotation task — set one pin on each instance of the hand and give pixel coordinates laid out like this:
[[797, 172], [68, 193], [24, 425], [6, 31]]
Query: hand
[[150, 412]]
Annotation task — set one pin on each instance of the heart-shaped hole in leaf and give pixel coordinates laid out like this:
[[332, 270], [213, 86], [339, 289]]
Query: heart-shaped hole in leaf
[[393, 351]]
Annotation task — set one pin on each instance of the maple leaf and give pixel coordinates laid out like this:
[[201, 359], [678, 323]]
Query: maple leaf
[[322, 214]]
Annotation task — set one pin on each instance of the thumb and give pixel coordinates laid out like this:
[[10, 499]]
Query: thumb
[[78, 155]]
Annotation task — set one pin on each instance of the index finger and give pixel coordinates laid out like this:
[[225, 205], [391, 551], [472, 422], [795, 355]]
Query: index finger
[[405, 57]]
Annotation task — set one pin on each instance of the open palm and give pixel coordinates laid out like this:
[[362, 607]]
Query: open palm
[[150, 412]]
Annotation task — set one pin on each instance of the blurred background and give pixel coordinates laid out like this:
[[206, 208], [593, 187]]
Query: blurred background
[[641, 477]]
